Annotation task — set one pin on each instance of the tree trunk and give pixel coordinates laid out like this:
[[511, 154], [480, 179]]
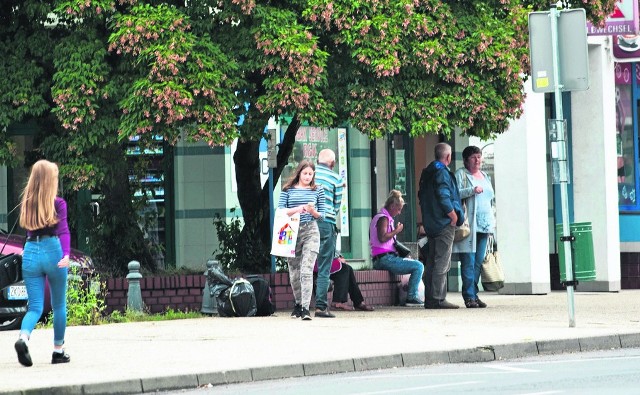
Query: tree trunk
[[255, 241]]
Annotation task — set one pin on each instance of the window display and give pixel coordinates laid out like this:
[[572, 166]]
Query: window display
[[625, 140], [151, 188], [310, 140]]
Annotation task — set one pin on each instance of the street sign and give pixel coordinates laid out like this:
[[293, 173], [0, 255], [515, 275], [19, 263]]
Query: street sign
[[572, 51]]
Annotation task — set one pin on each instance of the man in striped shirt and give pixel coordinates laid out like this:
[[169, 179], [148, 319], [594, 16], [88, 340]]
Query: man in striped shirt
[[333, 187]]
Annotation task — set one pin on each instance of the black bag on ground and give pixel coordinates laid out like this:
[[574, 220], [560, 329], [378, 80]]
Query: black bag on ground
[[10, 269], [223, 301], [216, 276], [262, 292], [238, 300]]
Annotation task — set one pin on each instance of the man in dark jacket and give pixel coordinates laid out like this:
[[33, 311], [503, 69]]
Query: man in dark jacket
[[441, 213]]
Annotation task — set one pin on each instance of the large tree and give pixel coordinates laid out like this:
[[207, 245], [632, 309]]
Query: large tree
[[94, 73]]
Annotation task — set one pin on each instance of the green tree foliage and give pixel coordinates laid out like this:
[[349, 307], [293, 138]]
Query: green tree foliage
[[94, 73]]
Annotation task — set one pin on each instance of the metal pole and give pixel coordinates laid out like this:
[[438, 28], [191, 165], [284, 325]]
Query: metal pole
[[271, 214], [562, 164]]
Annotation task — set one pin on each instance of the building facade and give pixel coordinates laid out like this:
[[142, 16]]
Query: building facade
[[603, 152]]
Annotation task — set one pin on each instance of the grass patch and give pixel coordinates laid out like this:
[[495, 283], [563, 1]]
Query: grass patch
[[86, 305], [137, 316]]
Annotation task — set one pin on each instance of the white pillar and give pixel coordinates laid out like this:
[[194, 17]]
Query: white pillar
[[522, 200], [595, 189]]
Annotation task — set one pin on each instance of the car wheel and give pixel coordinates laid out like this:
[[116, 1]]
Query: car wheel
[[9, 324]]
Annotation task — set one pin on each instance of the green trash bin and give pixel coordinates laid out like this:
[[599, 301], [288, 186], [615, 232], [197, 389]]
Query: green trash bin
[[581, 252]]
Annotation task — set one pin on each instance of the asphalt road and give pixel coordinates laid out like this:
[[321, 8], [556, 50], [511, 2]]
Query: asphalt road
[[611, 371], [171, 355]]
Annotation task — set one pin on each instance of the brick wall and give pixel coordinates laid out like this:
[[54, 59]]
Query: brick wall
[[184, 292], [378, 287]]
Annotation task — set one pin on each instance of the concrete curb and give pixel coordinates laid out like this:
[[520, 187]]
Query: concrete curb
[[479, 354]]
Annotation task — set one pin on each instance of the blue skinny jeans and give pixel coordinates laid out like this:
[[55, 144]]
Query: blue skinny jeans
[[397, 265], [39, 262], [471, 265]]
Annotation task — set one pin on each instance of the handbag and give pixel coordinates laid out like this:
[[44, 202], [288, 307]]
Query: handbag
[[402, 250], [463, 231], [492, 273]]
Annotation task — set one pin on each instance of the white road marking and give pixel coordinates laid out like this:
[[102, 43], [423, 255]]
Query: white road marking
[[580, 360], [543, 393], [395, 390], [506, 370], [509, 368]]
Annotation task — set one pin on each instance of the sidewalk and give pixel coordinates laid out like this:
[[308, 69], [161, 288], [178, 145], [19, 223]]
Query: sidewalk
[[150, 356]]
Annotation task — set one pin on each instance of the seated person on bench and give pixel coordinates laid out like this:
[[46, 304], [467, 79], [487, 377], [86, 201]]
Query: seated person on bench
[[344, 282]]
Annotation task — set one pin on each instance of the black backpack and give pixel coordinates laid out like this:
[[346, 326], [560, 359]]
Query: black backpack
[[262, 292]]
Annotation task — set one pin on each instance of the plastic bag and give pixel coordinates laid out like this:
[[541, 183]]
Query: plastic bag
[[239, 300]]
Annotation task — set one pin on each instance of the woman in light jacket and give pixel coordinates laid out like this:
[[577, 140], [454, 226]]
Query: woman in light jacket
[[477, 194]]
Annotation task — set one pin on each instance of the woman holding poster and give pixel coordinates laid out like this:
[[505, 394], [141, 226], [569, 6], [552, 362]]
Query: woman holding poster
[[301, 195]]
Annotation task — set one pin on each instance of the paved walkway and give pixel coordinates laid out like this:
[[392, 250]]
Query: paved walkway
[[150, 356]]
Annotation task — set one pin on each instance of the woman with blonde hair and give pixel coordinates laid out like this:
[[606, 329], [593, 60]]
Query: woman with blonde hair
[[382, 235], [46, 257]]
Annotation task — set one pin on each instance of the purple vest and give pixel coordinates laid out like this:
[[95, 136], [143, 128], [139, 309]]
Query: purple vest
[[377, 247]]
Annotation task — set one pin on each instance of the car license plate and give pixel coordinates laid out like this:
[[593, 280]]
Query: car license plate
[[17, 292]]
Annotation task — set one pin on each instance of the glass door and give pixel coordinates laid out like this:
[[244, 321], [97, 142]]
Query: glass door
[[150, 189], [402, 178]]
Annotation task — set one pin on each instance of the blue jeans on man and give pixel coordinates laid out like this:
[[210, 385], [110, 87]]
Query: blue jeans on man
[[470, 267], [397, 265], [328, 236]]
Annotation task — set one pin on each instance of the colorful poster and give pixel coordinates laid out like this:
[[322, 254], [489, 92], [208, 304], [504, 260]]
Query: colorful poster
[[310, 140], [342, 166]]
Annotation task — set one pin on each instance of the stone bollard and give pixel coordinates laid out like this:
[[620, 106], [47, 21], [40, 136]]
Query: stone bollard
[[209, 303], [74, 272], [134, 295]]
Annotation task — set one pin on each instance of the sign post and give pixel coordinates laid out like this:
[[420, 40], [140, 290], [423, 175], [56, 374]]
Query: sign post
[[559, 62], [272, 160]]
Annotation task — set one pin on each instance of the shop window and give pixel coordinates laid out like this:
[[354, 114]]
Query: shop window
[[151, 188], [626, 135], [402, 178], [310, 140]]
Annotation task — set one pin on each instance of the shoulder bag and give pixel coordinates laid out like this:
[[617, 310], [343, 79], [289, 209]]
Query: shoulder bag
[[402, 250], [463, 231], [492, 272]]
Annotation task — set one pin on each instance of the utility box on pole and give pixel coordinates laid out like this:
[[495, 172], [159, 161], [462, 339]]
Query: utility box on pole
[[272, 153]]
